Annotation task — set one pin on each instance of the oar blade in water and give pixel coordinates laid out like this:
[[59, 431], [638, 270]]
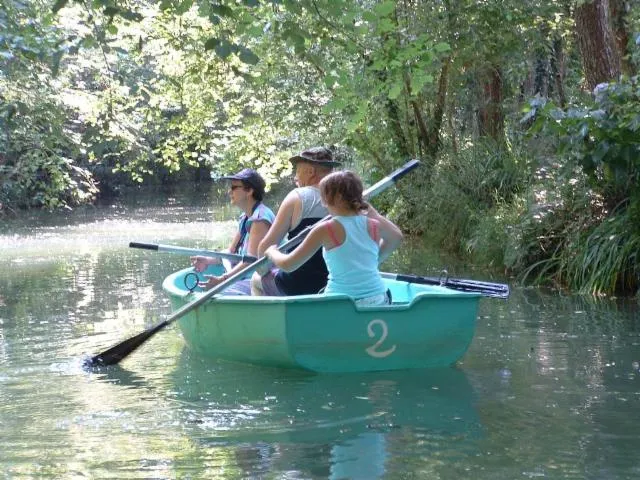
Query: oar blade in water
[[116, 353]]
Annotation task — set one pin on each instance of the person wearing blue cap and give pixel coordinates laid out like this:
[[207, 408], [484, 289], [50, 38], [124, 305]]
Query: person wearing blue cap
[[246, 191]]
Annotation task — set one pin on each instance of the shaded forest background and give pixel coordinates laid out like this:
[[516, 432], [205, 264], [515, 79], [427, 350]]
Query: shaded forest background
[[525, 113]]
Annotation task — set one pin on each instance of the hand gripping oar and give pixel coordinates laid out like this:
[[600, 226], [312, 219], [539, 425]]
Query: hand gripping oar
[[487, 289], [123, 349]]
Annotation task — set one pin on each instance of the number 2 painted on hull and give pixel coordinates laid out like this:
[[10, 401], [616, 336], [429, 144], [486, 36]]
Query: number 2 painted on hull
[[373, 349]]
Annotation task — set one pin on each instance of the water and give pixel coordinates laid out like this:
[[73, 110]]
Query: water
[[548, 389]]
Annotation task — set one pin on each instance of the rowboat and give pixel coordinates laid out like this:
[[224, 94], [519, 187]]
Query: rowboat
[[425, 326]]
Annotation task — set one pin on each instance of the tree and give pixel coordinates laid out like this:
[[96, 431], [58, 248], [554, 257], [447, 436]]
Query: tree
[[598, 47]]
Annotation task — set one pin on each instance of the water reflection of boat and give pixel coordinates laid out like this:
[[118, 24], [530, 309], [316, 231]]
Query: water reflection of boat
[[322, 426], [225, 400], [425, 326]]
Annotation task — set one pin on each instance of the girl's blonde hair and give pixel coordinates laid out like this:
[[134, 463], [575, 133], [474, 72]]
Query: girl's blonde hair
[[348, 186]]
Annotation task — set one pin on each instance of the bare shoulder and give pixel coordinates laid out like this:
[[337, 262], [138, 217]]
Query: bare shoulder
[[292, 196]]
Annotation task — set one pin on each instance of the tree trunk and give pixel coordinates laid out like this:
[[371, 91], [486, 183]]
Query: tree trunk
[[429, 132], [558, 70], [490, 113], [435, 140], [452, 130], [542, 65], [619, 12], [600, 58], [396, 127]]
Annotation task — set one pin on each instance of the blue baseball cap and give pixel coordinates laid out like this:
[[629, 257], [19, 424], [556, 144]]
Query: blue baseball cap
[[248, 176]]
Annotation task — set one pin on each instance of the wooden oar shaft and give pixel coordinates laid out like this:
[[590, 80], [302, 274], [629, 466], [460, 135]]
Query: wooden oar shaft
[[123, 349]]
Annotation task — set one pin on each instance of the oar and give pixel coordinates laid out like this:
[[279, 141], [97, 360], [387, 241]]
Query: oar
[[192, 251], [123, 349], [487, 289]]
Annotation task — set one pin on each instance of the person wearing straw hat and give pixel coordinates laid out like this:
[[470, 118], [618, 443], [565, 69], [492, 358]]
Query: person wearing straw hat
[[246, 191], [300, 208]]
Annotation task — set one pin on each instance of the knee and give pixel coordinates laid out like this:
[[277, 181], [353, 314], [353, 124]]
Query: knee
[[256, 285]]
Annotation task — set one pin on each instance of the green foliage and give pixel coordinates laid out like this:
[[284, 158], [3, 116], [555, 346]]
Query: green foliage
[[560, 233], [495, 235], [581, 229], [28, 37], [607, 258], [600, 259], [38, 153], [603, 137], [556, 207], [469, 198], [38, 168]]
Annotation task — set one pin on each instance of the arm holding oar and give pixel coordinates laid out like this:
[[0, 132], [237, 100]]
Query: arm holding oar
[[246, 191], [116, 353], [200, 262], [351, 242], [391, 241]]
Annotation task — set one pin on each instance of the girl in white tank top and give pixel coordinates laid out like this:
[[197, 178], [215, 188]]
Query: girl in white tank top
[[353, 245]]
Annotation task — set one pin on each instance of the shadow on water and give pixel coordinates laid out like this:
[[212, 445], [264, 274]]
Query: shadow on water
[[304, 406], [117, 375], [350, 420], [327, 426]]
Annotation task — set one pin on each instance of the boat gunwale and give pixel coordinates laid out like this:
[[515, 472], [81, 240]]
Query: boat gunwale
[[170, 287]]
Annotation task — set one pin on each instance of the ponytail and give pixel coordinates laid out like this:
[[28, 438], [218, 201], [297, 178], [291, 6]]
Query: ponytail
[[346, 184]]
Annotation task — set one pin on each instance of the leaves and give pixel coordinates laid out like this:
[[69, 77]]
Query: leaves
[[247, 56], [385, 8], [59, 5], [395, 90]]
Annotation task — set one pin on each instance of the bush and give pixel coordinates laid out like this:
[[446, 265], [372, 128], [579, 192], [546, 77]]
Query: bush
[[588, 238], [470, 195], [37, 168]]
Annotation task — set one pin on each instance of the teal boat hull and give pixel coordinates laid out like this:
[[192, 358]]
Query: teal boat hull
[[426, 326]]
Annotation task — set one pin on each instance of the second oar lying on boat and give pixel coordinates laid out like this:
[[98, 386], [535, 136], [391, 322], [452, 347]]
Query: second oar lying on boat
[[123, 349], [488, 289]]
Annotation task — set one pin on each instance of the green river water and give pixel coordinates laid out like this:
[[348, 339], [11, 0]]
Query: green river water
[[550, 387]]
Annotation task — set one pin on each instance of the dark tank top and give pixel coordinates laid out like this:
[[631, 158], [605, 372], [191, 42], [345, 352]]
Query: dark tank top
[[311, 277]]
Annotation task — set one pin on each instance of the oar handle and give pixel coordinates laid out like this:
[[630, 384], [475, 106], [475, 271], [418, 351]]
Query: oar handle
[[146, 246], [393, 177]]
